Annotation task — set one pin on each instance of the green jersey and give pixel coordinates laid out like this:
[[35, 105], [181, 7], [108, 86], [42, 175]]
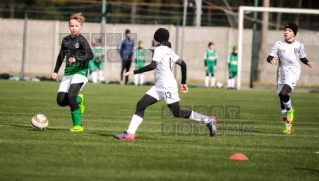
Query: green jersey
[[140, 57], [98, 53], [233, 62], [210, 56], [76, 68], [78, 48]]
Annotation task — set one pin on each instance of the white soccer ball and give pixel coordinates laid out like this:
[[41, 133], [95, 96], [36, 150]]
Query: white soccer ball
[[39, 122], [219, 85]]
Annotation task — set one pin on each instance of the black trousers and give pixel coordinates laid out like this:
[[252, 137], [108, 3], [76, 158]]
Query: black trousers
[[126, 64], [148, 100], [69, 98], [283, 95]]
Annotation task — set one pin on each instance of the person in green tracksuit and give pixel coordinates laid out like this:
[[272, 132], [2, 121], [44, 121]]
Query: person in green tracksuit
[[210, 61], [232, 67], [96, 65], [139, 56]]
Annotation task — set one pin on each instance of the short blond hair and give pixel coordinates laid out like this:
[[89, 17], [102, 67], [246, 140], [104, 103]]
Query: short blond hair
[[78, 17]]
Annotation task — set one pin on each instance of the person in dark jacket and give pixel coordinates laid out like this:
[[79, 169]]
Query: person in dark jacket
[[126, 49]]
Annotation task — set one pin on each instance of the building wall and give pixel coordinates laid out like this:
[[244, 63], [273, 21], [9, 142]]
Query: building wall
[[43, 45]]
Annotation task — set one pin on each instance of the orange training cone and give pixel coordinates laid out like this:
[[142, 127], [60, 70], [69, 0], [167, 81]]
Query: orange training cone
[[238, 156]]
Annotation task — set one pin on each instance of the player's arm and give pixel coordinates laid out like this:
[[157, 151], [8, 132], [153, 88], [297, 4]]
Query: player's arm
[[272, 60], [205, 62], [103, 53], [269, 58], [135, 56], [273, 55], [306, 62], [228, 62], [85, 56], [147, 68], [303, 58], [59, 62], [120, 47], [181, 63]]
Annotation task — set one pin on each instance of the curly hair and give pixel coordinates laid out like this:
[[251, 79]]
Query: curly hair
[[78, 17]]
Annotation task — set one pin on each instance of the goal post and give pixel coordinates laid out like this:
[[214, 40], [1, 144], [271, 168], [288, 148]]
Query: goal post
[[241, 13]]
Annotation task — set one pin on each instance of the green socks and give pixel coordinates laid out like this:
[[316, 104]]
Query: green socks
[[78, 99], [76, 117]]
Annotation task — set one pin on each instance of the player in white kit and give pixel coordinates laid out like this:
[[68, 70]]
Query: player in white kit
[[286, 54], [165, 87]]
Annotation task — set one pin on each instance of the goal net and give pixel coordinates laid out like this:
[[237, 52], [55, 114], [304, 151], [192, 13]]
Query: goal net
[[257, 31]]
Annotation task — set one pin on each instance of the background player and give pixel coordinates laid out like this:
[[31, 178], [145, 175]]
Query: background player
[[165, 87], [78, 53], [232, 61], [286, 55], [139, 56], [96, 65], [210, 61]]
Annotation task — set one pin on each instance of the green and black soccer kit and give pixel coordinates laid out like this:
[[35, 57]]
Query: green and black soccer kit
[[210, 59], [140, 57], [74, 73], [232, 65], [78, 48]]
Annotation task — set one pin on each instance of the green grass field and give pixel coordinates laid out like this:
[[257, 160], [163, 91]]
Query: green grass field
[[57, 154]]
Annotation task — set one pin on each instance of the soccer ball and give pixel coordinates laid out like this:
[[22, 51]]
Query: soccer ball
[[219, 85], [39, 122]]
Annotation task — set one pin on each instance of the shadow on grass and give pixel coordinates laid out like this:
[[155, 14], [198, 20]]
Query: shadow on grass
[[138, 137], [29, 128], [102, 134], [313, 171]]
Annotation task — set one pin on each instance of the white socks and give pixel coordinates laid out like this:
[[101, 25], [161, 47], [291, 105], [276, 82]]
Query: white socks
[[141, 76], [231, 83], [94, 77], [135, 122], [199, 118], [136, 77], [212, 81], [101, 76], [228, 83], [141, 79], [206, 81]]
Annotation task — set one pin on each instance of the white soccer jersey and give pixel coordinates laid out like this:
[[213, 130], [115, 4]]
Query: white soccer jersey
[[289, 55], [165, 58]]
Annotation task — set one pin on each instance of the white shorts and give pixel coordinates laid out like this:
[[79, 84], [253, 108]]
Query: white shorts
[[170, 95], [72, 79], [291, 83]]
